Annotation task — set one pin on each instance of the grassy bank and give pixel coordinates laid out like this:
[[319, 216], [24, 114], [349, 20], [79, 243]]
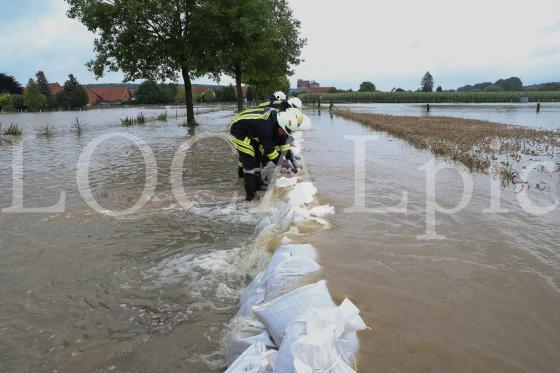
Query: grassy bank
[[431, 97], [476, 144]]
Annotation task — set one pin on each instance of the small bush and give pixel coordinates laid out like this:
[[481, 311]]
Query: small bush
[[13, 130], [162, 117]]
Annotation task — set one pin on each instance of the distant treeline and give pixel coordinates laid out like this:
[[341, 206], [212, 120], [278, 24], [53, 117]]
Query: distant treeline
[[510, 84], [432, 97]]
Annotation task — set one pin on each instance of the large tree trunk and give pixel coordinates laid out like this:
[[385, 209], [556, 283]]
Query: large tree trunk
[[188, 97], [239, 88]]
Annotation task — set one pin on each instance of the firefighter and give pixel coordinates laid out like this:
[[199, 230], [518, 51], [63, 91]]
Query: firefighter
[[253, 135], [277, 101]]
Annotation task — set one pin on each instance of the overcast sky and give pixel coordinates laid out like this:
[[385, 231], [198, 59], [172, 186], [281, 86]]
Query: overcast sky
[[392, 43]]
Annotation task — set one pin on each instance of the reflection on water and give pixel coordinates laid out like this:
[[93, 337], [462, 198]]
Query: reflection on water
[[83, 291], [486, 299], [517, 114]]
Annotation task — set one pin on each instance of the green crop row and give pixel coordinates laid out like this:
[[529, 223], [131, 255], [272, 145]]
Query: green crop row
[[432, 97]]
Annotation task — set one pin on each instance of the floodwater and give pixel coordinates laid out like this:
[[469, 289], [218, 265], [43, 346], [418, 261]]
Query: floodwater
[[516, 114], [485, 299], [154, 291], [83, 291]]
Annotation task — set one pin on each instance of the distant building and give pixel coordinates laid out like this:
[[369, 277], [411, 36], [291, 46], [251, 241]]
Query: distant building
[[107, 96], [306, 84], [55, 88]]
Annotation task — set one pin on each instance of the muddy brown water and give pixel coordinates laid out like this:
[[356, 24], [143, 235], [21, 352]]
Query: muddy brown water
[[155, 291], [486, 299]]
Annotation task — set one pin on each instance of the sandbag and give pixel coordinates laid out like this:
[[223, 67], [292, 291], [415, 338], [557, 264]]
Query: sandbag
[[285, 276], [277, 314], [287, 251], [322, 211], [321, 340], [256, 359], [302, 194], [252, 295], [286, 182], [246, 333]]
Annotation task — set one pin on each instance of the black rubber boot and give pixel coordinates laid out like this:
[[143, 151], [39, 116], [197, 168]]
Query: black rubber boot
[[240, 172], [250, 186]]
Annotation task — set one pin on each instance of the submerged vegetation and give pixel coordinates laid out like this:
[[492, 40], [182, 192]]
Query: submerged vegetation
[[131, 121], [13, 130], [432, 97], [479, 145], [162, 116]]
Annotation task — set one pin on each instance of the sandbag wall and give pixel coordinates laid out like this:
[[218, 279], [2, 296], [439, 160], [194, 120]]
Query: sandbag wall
[[288, 321]]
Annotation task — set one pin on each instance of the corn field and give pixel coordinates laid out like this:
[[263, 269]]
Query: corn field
[[431, 97]]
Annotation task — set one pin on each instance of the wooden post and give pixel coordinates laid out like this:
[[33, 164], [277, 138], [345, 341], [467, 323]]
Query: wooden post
[[538, 107], [428, 108], [319, 104]]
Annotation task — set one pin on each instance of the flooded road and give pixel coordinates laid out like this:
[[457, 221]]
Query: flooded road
[[485, 299], [83, 291], [516, 114], [155, 290]]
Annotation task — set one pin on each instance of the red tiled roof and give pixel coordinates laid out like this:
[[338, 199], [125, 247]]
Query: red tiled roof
[[55, 88], [93, 98], [109, 94], [320, 89]]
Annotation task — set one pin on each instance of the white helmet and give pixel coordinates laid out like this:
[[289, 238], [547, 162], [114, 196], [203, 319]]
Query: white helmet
[[295, 103], [287, 121], [281, 96], [297, 113]]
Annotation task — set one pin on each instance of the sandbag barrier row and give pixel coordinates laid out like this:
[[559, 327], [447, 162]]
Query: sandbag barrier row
[[281, 325]]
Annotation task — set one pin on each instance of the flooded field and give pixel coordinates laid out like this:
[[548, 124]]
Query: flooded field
[[517, 114], [82, 291], [154, 291], [484, 299]]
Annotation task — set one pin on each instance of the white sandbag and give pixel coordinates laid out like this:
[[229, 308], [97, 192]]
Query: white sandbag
[[253, 295], [246, 333], [302, 194], [322, 211], [256, 359], [277, 314], [286, 275], [286, 182], [306, 125], [287, 251], [320, 340]]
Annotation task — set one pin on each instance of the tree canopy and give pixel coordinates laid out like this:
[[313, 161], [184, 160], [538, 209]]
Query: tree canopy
[[367, 87], [8, 84], [74, 95], [33, 97], [427, 84]]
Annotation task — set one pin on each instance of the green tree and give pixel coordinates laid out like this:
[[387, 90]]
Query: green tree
[[5, 101], [439, 89], [427, 83], [8, 84], [148, 93], [151, 39], [18, 102], [226, 94], [510, 84], [180, 97], [209, 96], [265, 87], [259, 39], [367, 87], [250, 93], [74, 95], [33, 97], [167, 93]]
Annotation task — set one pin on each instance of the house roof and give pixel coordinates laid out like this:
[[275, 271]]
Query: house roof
[[55, 88], [109, 94]]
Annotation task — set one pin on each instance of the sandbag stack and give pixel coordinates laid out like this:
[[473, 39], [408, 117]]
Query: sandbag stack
[[288, 321]]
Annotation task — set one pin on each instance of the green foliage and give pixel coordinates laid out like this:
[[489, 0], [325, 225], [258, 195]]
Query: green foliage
[[18, 102], [74, 95], [259, 39], [151, 39], [167, 93], [8, 84], [427, 84], [266, 87], [5, 101], [180, 96], [42, 82], [13, 130], [162, 116], [33, 97], [226, 94], [432, 97], [209, 96], [250, 93], [148, 93], [367, 87], [439, 89], [131, 121], [510, 84]]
